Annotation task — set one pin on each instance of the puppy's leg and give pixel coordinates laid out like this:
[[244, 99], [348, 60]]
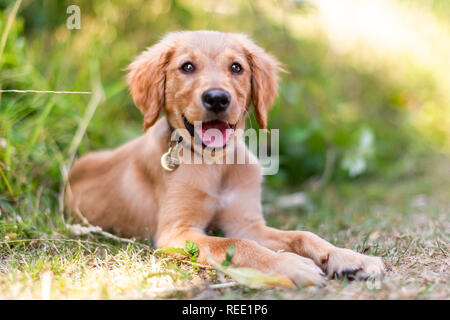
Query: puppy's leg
[[336, 262], [243, 218], [248, 253]]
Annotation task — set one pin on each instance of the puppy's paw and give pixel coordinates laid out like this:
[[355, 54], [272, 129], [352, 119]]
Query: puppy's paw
[[301, 271], [345, 263]]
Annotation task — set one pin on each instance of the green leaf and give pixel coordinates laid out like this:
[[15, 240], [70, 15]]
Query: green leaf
[[229, 256], [192, 249]]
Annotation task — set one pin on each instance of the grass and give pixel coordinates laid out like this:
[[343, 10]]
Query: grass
[[404, 219], [397, 208]]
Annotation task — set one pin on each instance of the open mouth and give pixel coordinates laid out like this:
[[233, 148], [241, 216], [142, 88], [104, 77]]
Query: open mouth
[[212, 134]]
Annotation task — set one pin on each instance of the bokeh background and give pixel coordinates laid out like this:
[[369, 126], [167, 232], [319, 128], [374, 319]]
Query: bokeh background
[[367, 88], [365, 103]]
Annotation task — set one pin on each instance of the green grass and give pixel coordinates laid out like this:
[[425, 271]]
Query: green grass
[[404, 219], [396, 207]]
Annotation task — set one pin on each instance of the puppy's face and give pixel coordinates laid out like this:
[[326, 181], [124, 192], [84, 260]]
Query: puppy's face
[[206, 81]]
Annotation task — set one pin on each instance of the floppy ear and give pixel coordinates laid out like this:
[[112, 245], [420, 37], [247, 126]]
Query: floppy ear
[[146, 80], [264, 82]]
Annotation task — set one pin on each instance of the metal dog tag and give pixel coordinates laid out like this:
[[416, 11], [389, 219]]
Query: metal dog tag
[[169, 162]]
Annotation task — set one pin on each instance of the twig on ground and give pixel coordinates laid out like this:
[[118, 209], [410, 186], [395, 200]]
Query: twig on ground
[[100, 231], [224, 285]]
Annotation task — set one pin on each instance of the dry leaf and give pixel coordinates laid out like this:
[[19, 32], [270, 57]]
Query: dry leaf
[[253, 278]]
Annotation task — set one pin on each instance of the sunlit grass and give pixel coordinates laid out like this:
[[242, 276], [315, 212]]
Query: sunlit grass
[[356, 68]]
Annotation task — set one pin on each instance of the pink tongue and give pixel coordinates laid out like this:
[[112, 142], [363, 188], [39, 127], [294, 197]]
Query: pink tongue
[[214, 134]]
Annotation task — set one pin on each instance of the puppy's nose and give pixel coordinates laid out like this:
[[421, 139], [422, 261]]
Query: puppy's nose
[[216, 100]]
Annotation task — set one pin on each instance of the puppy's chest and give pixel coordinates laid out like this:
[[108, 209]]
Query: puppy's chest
[[220, 200], [215, 204], [219, 194], [211, 190]]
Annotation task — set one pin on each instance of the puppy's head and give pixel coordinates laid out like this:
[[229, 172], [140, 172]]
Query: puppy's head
[[204, 77]]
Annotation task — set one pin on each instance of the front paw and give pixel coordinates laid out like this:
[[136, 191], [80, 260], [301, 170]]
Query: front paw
[[301, 271], [345, 263]]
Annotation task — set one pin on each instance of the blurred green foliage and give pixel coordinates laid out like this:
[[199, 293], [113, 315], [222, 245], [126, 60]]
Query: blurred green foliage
[[337, 121]]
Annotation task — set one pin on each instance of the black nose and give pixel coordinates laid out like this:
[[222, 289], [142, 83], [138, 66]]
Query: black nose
[[216, 100]]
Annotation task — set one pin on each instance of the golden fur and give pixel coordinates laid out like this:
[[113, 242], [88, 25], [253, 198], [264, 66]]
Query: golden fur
[[126, 189]]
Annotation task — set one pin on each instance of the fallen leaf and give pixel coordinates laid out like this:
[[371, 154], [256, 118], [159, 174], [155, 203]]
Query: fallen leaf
[[253, 278]]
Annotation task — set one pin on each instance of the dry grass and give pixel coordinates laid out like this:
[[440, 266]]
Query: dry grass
[[349, 62], [408, 224]]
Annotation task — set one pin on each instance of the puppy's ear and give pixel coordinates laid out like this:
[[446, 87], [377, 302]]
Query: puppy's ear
[[264, 82], [146, 80]]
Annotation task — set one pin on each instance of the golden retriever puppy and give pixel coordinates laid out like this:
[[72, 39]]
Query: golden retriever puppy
[[211, 78]]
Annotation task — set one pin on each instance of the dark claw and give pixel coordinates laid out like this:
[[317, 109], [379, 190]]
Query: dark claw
[[351, 271], [362, 276]]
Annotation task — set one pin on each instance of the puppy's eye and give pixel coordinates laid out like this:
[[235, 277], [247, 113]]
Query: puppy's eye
[[188, 67], [236, 68]]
